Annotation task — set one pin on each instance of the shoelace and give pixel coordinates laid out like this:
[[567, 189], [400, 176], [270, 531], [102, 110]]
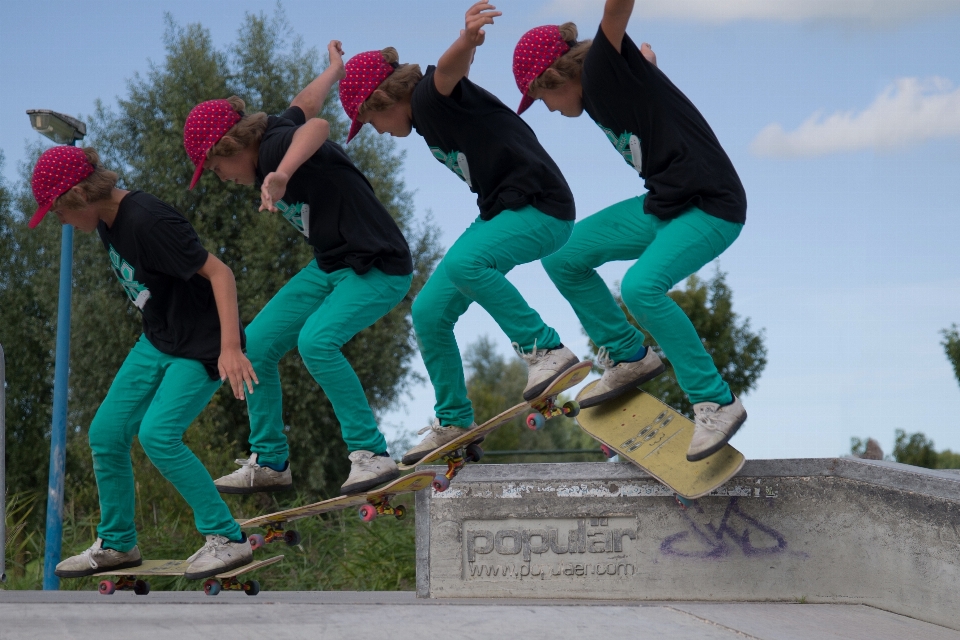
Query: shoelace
[[212, 545], [706, 415], [88, 553], [533, 357], [247, 468], [604, 359], [433, 426], [362, 459]]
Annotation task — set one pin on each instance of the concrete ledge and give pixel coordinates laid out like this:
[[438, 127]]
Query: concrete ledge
[[830, 531]]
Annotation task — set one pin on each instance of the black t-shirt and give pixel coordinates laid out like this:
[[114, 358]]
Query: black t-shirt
[[333, 204], [490, 148], [643, 114], [156, 254]]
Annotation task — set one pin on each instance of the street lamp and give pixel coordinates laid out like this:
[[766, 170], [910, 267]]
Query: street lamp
[[62, 129]]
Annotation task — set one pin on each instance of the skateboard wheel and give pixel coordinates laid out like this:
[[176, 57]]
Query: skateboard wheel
[[474, 453], [368, 512], [607, 451], [536, 421], [107, 587], [251, 588], [141, 587], [292, 538], [256, 541], [211, 587], [441, 484], [571, 409], [399, 512], [683, 502]]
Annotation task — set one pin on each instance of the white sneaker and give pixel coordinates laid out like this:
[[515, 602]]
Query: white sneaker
[[218, 555], [97, 559], [715, 426], [254, 478], [367, 471], [436, 438], [618, 378], [544, 366]]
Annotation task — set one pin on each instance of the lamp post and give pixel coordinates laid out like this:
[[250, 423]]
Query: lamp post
[[62, 129]]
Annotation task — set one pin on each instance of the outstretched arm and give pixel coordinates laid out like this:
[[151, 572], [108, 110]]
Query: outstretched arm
[[306, 140], [454, 64], [310, 100], [233, 364], [616, 15]]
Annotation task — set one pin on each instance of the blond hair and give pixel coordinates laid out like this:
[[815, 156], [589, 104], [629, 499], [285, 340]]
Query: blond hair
[[568, 66], [398, 86], [96, 187], [242, 135]]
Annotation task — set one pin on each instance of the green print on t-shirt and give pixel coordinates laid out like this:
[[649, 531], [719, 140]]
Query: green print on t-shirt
[[297, 214], [137, 292], [456, 161], [628, 146]]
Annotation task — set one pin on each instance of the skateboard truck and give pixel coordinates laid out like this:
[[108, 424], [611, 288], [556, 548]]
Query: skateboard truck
[[274, 533], [548, 408], [370, 511], [125, 583], [456, 460], [213, 586]]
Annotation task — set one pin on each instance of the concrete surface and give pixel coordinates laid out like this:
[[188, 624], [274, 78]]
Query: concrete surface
[[828, 531], [402, 616]]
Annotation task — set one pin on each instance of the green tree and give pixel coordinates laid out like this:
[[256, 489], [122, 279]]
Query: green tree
[[494, 385], [920, 451], [951, 346], [141, 138], [739, 353]]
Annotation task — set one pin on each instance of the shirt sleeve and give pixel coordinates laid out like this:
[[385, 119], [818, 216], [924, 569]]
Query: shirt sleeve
[[274, 144], [171, 246], [294, 115]]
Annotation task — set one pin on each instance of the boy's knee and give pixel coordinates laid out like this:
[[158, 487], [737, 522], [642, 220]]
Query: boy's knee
[[102, 438], [315, 347], [153, 441], [424, 315], [640, 292]]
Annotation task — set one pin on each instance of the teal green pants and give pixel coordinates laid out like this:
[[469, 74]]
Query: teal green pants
[[317, 312], [666, 253], [474, 270], [156, 397]]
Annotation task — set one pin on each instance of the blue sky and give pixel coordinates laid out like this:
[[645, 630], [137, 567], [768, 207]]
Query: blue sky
[[842, 118]]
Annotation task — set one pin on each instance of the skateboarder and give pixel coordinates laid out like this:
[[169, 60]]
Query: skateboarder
[[526, 211], [362, 269], [191, 342], [694, 208]]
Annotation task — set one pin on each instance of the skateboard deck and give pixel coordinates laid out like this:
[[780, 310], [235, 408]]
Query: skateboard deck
[[465, 449], [372, 504], [655, 437], [226, 581]]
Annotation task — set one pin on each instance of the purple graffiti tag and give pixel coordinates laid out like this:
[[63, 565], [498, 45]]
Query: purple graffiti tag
[[714, 538]]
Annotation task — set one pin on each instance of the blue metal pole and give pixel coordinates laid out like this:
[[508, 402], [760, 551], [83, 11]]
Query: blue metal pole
[[58, 433]]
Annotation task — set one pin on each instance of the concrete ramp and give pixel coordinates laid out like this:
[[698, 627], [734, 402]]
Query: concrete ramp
[[830, 531]]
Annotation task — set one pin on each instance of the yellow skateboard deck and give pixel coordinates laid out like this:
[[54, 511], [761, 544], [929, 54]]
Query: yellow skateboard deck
[[225, 581], [655, 437], [455, 452], [372, 504]]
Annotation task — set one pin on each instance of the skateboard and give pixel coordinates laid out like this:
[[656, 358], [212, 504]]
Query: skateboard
[[655, 437], [466, 448], [127, 578], [372, 504]]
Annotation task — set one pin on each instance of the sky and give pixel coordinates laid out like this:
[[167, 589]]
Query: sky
[[842, 119]]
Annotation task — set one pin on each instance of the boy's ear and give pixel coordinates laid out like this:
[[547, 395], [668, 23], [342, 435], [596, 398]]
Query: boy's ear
[[553, 74], [80, 193]]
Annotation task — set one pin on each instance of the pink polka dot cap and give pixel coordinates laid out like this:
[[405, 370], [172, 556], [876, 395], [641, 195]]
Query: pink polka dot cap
[[537, 50], [57, 171], [364, 73], [204, 127]]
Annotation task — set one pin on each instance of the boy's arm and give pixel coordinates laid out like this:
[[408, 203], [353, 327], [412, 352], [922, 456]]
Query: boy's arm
[[232, 364], [307, 139], [616, 15], [310, 100], [454, 64]]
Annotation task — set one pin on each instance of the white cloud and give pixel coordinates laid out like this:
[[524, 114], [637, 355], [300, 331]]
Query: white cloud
[[862, 12], [909, 111]]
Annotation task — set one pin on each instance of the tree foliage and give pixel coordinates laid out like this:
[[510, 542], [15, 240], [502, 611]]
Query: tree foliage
[[496, 384], [141, 138], [951, 346], [737, 351]]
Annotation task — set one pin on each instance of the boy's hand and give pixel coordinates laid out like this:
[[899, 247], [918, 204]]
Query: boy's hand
[[647, 51], [478, 15], [335, 49], [273, 188], [235, 366]]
